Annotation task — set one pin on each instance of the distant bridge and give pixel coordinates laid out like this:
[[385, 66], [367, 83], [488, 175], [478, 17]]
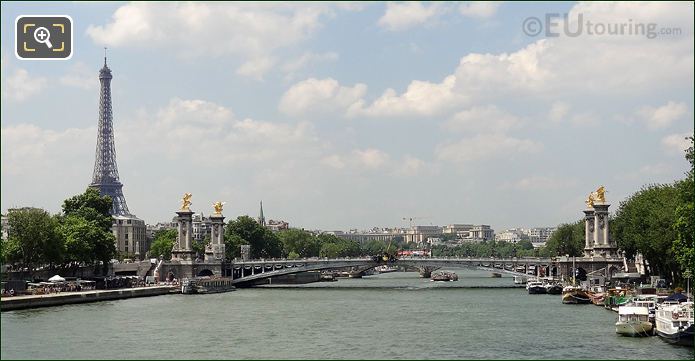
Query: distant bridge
[[253, 270]]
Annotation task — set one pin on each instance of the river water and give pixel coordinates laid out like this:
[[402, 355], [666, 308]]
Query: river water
[[389, 316]]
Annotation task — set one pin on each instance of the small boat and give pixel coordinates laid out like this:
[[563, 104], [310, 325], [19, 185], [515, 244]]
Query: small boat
[[575, 295], [553, 288], [444, 277], [633, 321], [535, 287], [674, 322], [496, 275]]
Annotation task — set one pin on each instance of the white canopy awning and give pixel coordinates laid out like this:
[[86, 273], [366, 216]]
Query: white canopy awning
[[57, 278]]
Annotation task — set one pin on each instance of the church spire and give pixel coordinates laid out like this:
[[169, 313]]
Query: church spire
[[261, 217]]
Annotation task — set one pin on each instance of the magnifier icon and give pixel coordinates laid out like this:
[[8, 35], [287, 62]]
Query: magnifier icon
[[43, 36]]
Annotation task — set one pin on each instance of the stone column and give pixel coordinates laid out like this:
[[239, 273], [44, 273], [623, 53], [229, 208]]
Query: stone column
[[216, 252], [601, 232], [588, 232], [182, 250]]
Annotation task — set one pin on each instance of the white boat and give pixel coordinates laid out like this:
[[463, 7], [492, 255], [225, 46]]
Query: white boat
[[633, 321], [674, 322], [535, 287], [519, 280]]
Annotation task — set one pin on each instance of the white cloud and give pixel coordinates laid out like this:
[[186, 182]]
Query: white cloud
[[422, 98], [648, 171], [540, 183], [483, 119], [27, 148], [485, 146], [358, 160], [410, 166], [371, 158], [558, 111], [80, 76], [253, 31], [676, 143], [557, 68], [307, 59], [404, 15], [256, 68], [20, 85], [479, 9], [663, 116], [320, 95]]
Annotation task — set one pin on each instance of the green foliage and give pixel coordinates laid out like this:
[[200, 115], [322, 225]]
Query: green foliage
[[485, 249], [199, 246], [245, 230], [568, 239], [33, 238], [332, 246], [644, 222], [86, 227], [299, 242], [91, 206], [293, 255], [163, 243], [684, 246]]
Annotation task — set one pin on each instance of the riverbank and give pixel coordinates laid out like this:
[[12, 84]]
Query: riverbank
[[67, 298]]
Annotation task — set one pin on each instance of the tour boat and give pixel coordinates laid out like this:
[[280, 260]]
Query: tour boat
[[633, 321], [535, 287], [674, 322], [575, 295], [445, 277]]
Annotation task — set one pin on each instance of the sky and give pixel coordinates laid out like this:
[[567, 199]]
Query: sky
[[355, 115]]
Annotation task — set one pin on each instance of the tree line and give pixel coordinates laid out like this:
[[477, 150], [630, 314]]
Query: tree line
[[79, 235]]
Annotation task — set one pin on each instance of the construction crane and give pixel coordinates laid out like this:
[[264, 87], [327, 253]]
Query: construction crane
[[411, 219]]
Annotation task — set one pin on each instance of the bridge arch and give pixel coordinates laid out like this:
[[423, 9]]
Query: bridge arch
[[205, 272]]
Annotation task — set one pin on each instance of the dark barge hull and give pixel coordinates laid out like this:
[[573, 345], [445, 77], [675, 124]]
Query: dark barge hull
[[682, 338]]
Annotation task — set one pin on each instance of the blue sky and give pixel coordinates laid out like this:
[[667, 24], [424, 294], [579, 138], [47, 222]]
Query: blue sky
[[343, 115]]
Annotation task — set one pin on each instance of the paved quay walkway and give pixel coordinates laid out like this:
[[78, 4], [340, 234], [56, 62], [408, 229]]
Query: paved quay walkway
[[67, 298]]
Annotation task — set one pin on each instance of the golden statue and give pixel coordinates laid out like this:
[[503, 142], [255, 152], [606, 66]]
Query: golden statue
[[186, 202], [601, 194], [218, 207], [590, 201]]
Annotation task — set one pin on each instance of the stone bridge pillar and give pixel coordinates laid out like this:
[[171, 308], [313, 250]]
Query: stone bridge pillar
[[214, 252], [182, 249], [589, 232], [426, 271]]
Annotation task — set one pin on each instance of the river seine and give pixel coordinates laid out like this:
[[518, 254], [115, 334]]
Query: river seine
[[388, 316]]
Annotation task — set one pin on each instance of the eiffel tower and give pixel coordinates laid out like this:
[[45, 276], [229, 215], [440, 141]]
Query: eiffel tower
[[105, 176]]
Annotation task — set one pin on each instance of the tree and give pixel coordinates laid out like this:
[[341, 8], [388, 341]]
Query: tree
[[163, 243], [33, 238], [567, 239], [87, 226], [644, 223], [333, 246], [684, 246], [199, 247], [300, 242], [245, 230]]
